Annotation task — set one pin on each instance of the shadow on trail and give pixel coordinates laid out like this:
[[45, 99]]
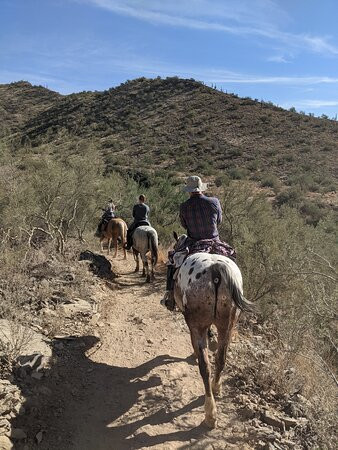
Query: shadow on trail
[[87, 402], [136, 280]]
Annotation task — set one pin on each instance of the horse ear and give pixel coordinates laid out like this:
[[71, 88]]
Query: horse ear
[[175, 235]]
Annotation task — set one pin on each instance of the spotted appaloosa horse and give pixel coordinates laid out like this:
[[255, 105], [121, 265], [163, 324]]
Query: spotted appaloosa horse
[[145, 240], [208, 290], [116, 228]]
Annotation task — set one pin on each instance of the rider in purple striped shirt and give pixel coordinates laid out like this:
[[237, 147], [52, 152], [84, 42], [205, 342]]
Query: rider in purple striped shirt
[[200, 216]]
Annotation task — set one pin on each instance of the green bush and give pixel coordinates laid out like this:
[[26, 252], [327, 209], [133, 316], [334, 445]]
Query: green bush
[[222, 180], [289, 267], [271, 181], [291, 197], [237, 173]]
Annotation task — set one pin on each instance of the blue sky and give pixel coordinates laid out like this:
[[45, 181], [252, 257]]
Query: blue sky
[[284, 51]]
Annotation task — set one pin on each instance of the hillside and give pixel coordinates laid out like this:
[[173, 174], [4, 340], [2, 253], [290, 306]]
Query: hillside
[[21, 101], [175, 124]]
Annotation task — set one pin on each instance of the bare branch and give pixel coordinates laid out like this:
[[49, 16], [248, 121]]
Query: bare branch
[[324, 259]]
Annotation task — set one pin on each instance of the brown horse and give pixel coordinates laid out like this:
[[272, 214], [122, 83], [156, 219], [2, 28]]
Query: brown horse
[[208, 290], [116, 228]]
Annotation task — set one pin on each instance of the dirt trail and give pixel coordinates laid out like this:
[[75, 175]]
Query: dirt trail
[[135, 387]]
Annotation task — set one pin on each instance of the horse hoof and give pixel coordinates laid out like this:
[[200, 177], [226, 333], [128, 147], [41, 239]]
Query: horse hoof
[[217, 391], [192, 359], [213, 344], [210, 422]]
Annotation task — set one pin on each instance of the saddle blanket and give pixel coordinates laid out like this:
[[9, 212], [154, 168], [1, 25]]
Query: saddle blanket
[[189, 247]]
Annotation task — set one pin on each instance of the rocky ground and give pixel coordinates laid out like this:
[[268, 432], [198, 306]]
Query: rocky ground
[[118, 374]]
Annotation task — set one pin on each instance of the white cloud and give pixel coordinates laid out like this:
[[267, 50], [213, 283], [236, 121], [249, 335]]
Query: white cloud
[[310, 104], [155, 68], [242, 17], [278, 59], [290, 80], [61, 85]]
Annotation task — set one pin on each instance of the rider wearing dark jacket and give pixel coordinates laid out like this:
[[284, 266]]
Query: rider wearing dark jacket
[[141, 213]]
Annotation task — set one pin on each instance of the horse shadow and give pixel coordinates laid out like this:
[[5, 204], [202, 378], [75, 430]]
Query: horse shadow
[[81, 403]]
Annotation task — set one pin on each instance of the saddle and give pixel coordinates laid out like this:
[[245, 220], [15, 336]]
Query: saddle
[[142, 223], [131, 231], [188, 247]]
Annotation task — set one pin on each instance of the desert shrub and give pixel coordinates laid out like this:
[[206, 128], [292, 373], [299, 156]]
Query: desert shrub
[[291, 197], [205, 168], [237, 173], [305, 181], [165, 196], [289, 267], [271, 181], [312, 212], [54, 200], [328, 184], [222, 180]]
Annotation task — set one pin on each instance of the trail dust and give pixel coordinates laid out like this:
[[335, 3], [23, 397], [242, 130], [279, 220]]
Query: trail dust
[[133, 384]]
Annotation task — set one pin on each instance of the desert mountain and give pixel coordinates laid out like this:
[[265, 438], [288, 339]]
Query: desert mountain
[[174, 124]]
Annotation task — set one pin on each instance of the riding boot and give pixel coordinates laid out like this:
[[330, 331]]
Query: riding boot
[[169, 299], [129, 243]]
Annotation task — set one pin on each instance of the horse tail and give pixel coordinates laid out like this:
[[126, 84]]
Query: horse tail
[[152, 244], [216, 278], [123, 231], [234, 289]]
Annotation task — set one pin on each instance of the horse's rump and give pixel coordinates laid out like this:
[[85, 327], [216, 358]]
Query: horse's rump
[[209, 277], [144, 240], [117, 227]]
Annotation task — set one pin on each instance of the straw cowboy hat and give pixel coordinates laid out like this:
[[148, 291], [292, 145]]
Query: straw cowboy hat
[[195, 184]]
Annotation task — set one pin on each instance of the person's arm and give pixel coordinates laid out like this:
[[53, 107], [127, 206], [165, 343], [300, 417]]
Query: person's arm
[[182, 220], [134, 211], [219, 212]]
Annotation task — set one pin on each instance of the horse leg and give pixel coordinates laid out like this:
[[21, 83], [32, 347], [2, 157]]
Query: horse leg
[[115, 247], [145, 272], [109, 243], [199, 339], [194, 341], [224, 337], [137, 260], [152, 267], [101, 244], [123, 239]]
